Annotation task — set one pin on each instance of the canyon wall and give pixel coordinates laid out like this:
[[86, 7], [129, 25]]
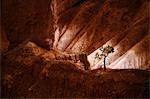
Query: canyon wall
[[86, 25], [27, 20], [79, 26]]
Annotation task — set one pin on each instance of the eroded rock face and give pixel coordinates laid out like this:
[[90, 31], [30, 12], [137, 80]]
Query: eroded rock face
[[122, 24], [79, 25], [96, 22], [31, 75], [26, 20], [4, 42]]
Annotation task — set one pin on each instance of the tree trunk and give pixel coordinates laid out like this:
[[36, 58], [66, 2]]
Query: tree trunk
[[104, 63]]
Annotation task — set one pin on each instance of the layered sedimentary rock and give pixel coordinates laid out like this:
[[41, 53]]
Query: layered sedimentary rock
[[122, 24], [74, 28], [79, 26], [134, 58]]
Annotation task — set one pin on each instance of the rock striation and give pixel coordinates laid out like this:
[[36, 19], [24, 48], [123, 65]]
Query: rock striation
[[77, 26], [86, 25]]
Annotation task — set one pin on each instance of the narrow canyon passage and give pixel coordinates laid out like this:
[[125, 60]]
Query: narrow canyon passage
[[49, 48]]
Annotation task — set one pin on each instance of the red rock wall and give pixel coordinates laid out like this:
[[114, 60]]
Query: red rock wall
[[96, 22], [3, 41], [122, 24], [77, 25], [27, 19]]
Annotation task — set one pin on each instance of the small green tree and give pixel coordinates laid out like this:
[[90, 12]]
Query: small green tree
[[105, 52], [97, 57]]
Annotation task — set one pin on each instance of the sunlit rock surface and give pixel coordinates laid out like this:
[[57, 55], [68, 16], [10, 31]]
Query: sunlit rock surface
[[122, 24], [134, 58], [76, 26], [45, 43]]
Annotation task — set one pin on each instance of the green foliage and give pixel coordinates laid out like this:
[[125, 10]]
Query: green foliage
[[105, 51], [97, 56], [108, 49]]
